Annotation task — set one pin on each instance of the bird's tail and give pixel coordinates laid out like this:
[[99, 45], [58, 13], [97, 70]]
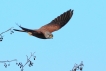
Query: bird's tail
[[19, 30], [23, 29]]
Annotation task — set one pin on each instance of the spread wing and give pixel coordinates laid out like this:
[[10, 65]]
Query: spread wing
[[58, 22]]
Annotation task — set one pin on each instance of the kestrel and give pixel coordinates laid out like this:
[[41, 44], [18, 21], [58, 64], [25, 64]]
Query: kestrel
[[45, 32]]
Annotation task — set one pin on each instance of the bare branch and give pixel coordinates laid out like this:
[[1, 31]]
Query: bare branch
[[6, 30], [20, 63], [8, 61], [78, 67], [28, 61], [1, 37]]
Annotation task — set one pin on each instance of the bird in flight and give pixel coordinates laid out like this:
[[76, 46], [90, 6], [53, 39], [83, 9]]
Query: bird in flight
[[45, 32]]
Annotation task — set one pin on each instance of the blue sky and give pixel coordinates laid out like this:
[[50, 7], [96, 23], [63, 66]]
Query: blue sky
[[82, 39]]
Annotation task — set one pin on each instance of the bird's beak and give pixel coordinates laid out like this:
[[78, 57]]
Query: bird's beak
[[51, 37]]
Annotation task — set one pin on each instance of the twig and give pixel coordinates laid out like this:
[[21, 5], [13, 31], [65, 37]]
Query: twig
[[28, 61], [5, 62], [77, 67], [1, 37], [20, 64], [8, 61], [6, 30]]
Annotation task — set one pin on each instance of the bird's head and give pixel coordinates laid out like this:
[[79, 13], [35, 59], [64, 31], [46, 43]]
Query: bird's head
[[48, 35]]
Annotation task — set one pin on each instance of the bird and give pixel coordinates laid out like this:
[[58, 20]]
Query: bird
[[45, 32]]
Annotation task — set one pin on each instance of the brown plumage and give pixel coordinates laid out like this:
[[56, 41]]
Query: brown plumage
[[45, 32]]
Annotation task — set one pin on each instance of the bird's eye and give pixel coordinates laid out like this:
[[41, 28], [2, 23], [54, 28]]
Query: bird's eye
[[49, 35]]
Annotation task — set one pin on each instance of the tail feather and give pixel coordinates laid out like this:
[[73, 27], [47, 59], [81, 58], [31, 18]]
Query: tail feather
[[23, 29], [19, 30]]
